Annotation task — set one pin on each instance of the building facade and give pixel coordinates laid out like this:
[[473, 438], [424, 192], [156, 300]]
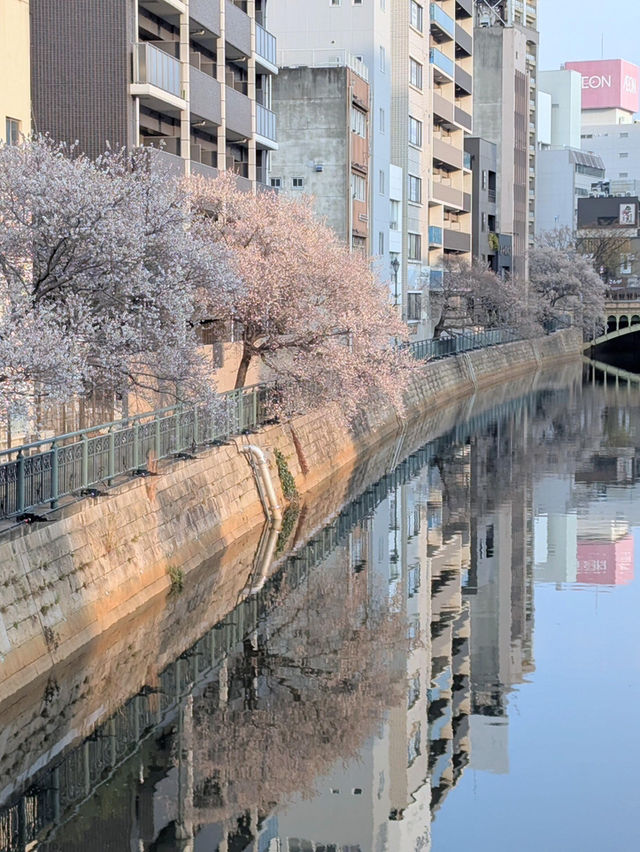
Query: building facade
[[520, 70], [490, 246], [420, 75], [191, 78], [324, 122], [15, 72], [564, 176]]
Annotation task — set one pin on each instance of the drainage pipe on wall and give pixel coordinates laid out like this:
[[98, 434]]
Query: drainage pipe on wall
[[263, 475]]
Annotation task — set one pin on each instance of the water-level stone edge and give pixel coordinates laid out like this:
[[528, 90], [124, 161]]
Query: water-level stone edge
[[66, 582]]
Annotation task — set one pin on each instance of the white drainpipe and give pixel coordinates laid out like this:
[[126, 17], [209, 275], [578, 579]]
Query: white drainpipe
[[258, 457]]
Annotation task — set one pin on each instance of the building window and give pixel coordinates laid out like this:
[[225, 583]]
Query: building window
[[297, 182], [12, 131], [358, 122], [382, 59], [358, 187], [415, 189], [382, 121], [415, 247], [624, 135], [415, 73], [394, 223], [483, 222], [381, 187], [335, 2], [276, 182], [623, 174], [381, 243], [359, 243], [415, 132], [357, 2], [485, 178], [623, 155], [416, 15], [414, 314]]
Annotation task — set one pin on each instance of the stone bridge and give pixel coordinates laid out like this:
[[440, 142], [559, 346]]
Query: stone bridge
[[622, 313]]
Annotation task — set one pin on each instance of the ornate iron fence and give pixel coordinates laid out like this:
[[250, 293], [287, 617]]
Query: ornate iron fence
[[432, 350]]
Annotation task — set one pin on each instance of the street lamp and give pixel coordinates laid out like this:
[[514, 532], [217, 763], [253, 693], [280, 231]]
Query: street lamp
[[395, 266]]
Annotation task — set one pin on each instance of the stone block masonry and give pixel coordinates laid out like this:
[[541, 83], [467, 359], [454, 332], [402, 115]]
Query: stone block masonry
[[64, 583]]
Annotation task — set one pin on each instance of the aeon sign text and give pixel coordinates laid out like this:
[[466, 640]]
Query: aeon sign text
[[608, 84]]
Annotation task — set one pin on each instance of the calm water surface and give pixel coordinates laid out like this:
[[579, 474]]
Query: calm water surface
[[451, 664]]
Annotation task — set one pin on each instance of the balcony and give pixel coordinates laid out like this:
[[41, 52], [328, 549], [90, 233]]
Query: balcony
[[443, 193], [204, 170], [238, 112], [441, 63], [446, 153], [266, 49], [205, 97], [156, 76], [466, 162], [491, 196], [443, 107], [464, 81], [237, 29], [464, 9], [456, 241], [463, 41], [463, 118], [443, 27], [207, 13], [435, 236], [266, 126]]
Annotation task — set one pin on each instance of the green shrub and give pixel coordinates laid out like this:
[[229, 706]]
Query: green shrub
[[286, 477]]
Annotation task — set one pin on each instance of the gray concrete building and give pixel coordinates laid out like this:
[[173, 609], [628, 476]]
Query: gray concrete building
[[564, 176], [191, 78], [323, 123], [490, 245]]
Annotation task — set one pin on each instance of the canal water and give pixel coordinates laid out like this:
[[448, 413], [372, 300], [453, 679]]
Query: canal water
[[452, 663]]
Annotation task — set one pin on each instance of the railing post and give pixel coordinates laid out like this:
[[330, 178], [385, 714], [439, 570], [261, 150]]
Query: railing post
[[240, 411], [156, 422], [84, 470], [54, 475], [20, 482], [112, 457], [254, 400], [195, 426], [178, 432], [136, 445]]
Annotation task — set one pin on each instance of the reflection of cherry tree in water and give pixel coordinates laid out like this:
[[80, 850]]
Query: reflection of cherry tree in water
[[308, 689]]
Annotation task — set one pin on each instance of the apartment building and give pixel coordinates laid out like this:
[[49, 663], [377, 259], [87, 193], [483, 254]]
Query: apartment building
[[15, 98], [323, 127], [191, 78], [506, 62], [489, 245], [417, 55]]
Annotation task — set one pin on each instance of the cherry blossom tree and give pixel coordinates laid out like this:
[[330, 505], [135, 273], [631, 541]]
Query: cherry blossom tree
[[309, 309], [473, 295], [104, 276], [565, 283]]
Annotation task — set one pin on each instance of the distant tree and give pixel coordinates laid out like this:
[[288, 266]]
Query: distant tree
[[605, 247], [104, 276], [565, 284], [474, 296], [308, 308]]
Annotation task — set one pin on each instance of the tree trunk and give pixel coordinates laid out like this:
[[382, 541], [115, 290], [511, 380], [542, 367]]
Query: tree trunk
[[243, 367]]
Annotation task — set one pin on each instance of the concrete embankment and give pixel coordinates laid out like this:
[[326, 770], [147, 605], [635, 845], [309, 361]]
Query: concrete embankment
[[67, 582]]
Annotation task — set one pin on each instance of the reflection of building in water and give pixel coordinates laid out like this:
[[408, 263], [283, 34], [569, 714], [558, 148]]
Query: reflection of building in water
[[499, 589]]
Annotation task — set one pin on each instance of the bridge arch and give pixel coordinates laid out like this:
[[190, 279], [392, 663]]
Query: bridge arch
[[623, 321], [612, 324], [635, 319]]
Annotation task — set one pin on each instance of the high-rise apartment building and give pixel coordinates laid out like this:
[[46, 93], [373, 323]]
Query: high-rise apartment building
[[190, 77], [15, 101], [419, 64]]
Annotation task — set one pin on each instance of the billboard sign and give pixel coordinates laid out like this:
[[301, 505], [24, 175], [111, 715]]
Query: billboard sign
[[609, 84]]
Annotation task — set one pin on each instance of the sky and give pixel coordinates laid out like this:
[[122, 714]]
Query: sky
[[573, 29]]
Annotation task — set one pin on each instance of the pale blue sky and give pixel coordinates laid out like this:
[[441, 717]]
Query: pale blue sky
[[573, 29]]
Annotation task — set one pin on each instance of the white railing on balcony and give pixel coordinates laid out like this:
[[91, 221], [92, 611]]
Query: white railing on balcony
[[322, 58], [265, 44], [154, 66], [265, 122]]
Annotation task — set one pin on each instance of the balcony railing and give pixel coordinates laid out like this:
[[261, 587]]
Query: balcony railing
[[265, 44], [444, 21], [157, 68], [437, 58], [435, 238], [491, 194], [265, 122]]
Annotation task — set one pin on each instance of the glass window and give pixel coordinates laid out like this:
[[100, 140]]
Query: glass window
[[277, 182], [381, 182], [382, 121], [415, 189], [383, 58], [414, 314], [416, 15], [12, 134], [358, 187], [394, 224], [415, 73], [380, 243], [358, 122], [297, 182], [415, 132], [415, 247]]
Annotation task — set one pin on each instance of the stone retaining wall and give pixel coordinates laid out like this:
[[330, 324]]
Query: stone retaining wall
[[66, 582]]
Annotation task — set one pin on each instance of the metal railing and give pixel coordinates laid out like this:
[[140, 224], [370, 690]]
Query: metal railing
[[443, 347], [265, 122], [45, 471], [154, 66], [265, 44]]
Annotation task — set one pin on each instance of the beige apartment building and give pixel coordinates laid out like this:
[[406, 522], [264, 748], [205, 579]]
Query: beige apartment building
[[15, 97], [191, 78]]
